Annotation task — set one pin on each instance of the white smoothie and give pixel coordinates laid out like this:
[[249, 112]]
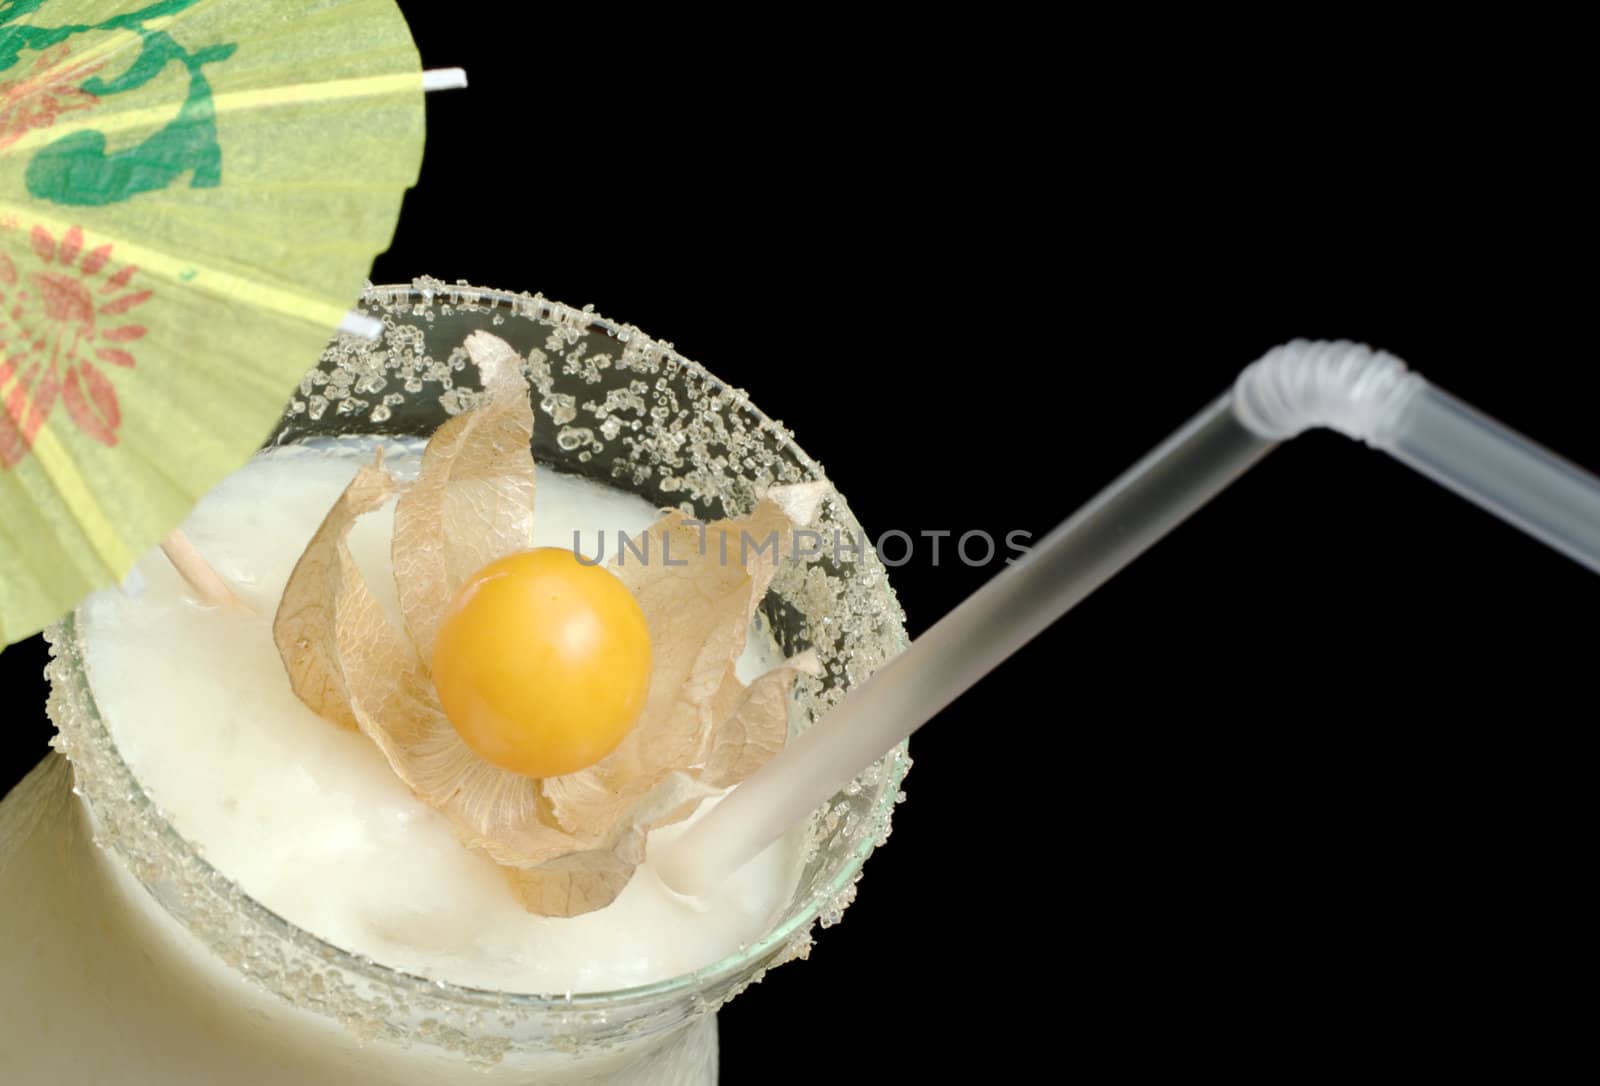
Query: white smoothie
[[307, 817]]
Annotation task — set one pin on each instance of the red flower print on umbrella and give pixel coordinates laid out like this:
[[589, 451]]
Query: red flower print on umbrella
[[39, 98], [63, 317]]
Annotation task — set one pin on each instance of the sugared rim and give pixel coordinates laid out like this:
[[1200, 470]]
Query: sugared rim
[[751, 957]]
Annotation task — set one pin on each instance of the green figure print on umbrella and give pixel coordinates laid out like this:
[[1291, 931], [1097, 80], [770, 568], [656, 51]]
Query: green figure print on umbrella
[[77, 169]]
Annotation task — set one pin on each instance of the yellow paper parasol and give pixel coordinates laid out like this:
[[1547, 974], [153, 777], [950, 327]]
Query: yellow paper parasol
[[191, 194]]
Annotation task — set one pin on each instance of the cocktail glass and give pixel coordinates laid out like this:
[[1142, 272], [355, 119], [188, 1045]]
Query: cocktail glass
[[134, 960]]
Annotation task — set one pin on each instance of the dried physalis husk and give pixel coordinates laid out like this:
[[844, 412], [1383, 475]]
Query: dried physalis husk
[[569, 843]]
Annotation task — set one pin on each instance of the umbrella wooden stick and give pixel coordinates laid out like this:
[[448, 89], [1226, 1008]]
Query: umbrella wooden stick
[[438, 79], [189, 563]]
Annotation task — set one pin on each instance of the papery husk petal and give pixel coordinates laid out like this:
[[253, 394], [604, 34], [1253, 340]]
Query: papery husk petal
[[473, 499], [572, 885], [753, 723], [800, 502], [493, 810], [581, 882], [325, 593]]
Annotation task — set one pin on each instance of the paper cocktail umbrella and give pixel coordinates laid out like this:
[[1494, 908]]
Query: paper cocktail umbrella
[[191, 193]]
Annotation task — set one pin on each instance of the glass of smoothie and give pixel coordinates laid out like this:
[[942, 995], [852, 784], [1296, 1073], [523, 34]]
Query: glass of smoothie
[[208, 883]]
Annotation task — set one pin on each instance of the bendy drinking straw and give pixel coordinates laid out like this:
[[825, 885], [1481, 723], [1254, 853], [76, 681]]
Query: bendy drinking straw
[[1368, 395]]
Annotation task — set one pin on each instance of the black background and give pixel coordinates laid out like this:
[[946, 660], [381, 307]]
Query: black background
[[1303, 787]]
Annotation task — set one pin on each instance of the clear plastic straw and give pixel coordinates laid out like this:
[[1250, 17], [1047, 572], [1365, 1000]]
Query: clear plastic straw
[[1365, 394], [1523, 484]]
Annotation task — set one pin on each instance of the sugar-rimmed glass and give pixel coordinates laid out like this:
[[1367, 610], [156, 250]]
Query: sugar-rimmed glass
[[613, 405]]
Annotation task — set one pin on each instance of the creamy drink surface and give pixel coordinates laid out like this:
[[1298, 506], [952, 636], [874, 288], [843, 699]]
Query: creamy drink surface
[[307, 817]]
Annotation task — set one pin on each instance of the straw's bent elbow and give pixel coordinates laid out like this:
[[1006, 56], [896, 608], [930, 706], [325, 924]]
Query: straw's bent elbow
[[1371, 396], [1344, 386]]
